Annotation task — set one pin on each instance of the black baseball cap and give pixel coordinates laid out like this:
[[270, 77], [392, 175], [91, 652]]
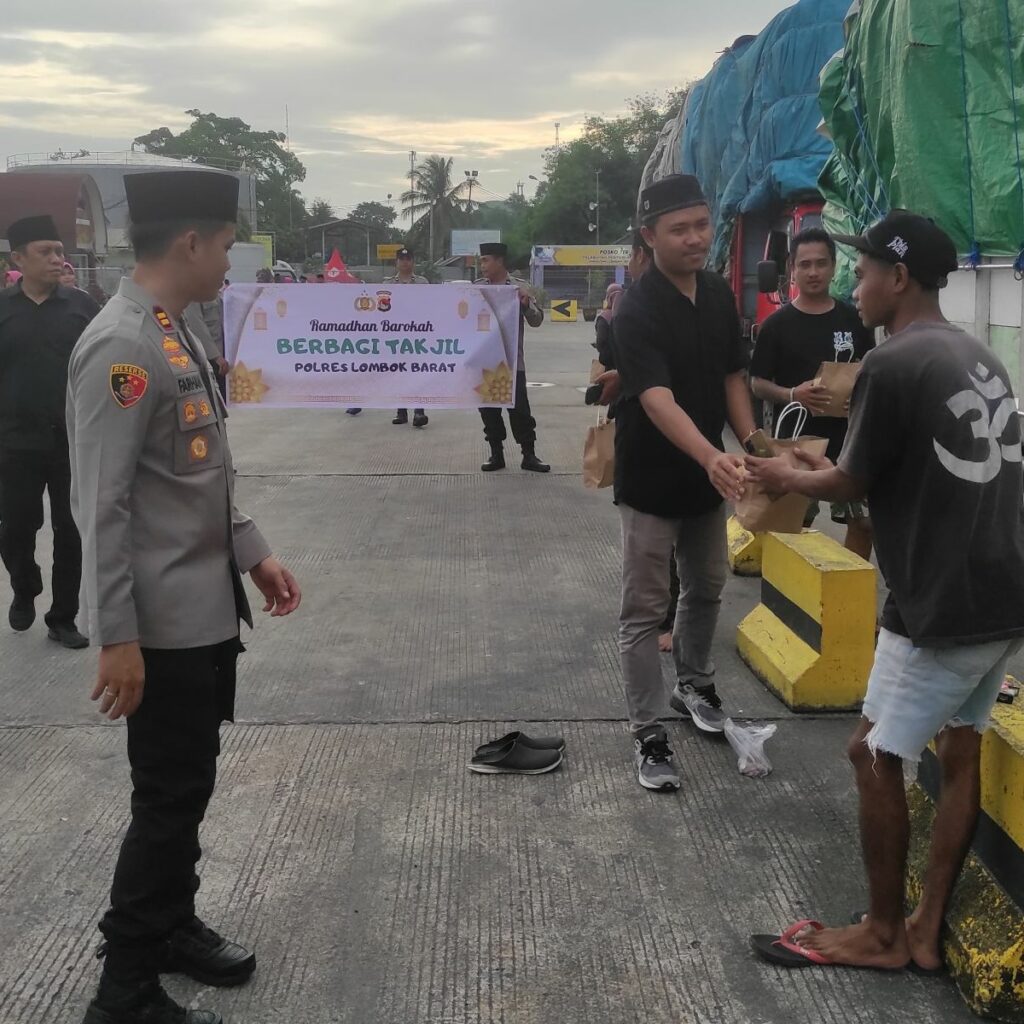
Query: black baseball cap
[[405, 253], [917, 242]]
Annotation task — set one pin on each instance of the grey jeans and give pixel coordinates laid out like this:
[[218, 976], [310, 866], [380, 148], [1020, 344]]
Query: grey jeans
[[702, 561]]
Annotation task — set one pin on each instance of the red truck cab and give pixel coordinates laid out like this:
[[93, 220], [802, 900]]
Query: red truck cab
[[757, 240]]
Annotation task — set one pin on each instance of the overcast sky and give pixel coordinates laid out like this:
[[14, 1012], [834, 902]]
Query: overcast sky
[[365, 81]]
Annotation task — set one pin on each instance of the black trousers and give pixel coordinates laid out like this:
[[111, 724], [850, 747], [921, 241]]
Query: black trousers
[[173, 743], [524, 426], [24, 476]]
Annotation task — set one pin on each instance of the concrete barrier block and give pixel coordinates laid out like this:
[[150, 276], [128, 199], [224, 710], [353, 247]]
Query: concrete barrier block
[[811, 639], [744, 549]]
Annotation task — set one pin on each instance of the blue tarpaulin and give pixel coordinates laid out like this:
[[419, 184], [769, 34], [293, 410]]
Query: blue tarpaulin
[[749, 126]]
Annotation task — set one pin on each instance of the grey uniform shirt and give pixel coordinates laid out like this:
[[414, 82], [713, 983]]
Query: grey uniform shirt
[[416, 279], [152, 488], [531, 314]]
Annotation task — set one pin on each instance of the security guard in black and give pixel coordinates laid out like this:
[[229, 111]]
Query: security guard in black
[[38, 330]]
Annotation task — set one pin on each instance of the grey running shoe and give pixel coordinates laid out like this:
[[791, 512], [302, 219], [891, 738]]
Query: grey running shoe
[[702, 704], [655, 768]]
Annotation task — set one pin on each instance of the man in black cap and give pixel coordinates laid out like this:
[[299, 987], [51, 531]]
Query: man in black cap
[[164, 552], [934, 445], [681, 359], [40, 321], [405, 273], [493, 269]]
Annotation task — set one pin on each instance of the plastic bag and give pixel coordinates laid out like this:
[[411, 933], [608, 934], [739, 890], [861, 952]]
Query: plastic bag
[[748, 742]]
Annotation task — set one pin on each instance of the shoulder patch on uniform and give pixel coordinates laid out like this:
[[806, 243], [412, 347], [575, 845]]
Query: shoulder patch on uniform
[[128, 383]]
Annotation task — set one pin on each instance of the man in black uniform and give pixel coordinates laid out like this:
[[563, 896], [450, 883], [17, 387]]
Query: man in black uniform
[[164, 551], [494, 271], [40, 321]]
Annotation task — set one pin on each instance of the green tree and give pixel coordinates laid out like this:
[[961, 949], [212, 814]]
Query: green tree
[[320, 211], [231, 143], [616, 147], [436, 205]]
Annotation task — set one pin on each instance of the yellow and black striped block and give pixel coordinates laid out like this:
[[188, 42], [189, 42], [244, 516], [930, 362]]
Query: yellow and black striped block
[[811, 639], [745, 549], [984, 937]]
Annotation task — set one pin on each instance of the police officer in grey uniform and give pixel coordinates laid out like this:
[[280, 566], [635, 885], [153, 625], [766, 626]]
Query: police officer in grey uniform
[[405, 273], [164, 551], [493, 270]]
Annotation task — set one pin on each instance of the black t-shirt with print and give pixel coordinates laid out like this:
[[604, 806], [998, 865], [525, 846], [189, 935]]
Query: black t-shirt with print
[[791, 345], [934, 432], [662, 339]]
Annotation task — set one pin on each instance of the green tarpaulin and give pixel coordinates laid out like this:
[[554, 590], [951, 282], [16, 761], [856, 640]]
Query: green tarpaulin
[[925, 106]]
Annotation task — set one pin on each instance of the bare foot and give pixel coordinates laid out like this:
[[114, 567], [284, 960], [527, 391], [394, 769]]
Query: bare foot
[[665, 643], [924, 944], [858, 945]]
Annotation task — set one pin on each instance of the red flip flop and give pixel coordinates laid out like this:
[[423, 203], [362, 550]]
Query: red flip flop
[[785, 952]]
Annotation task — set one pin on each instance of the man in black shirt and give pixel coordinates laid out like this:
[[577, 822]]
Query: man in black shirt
[[680, 358], [933, 425], [40, 321], [793, 343]]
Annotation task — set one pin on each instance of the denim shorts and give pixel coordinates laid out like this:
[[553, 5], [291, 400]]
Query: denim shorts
[[916, 692]]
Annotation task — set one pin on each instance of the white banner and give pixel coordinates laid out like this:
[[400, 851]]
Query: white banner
[[371, 346]]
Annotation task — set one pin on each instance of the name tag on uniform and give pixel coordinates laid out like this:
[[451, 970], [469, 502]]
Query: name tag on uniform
[[190, 383]]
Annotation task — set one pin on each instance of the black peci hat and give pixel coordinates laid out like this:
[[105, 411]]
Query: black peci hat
[[494, 249], [676, 192], [40, 228], [181, 195], [917, 242]]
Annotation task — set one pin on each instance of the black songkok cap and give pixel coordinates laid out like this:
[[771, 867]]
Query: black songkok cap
[[181, 195], [676, 192], [493, 249], [39, 228]]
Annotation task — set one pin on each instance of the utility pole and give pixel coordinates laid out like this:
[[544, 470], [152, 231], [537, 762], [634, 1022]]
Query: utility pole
[[597, 199], [412, 181], [471, 177], [558, 124]]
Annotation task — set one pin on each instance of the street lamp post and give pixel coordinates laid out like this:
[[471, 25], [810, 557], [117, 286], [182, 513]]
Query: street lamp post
[[597, 199]]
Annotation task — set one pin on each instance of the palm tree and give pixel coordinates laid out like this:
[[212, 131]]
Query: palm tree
[[433, 196]]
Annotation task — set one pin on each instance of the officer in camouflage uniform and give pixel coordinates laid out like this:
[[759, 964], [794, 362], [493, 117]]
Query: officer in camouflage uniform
[[164, 550]]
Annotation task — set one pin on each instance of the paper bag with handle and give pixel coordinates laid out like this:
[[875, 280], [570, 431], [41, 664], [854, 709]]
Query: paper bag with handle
[[599, 454], [761, 511], [838, 378]]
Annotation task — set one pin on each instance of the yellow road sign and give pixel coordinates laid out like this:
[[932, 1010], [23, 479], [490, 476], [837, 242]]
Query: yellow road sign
[[563, 311], [386, 252]]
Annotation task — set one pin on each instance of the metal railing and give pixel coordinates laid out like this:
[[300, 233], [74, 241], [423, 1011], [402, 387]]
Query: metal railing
[[122, 158]]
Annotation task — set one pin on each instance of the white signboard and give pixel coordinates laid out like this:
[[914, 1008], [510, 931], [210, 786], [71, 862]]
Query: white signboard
[[371, 346], [467, 242]]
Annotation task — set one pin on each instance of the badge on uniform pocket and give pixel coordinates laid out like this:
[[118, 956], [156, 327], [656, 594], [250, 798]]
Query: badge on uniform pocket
[[198, 448]]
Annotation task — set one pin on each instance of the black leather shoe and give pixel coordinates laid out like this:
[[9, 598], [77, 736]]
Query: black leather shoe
[[533, 465], [202, 954], [22, 613], [536, 743], [401, 418], [420, 420], [145, 1003], [496, 461], [67, 636]]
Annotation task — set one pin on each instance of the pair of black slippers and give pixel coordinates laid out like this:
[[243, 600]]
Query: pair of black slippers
[[518, 754]]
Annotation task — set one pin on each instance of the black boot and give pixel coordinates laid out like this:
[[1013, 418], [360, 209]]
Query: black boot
[[420, 419], [22, 613], [531, 463], [497, 459], [401, 417], [141, 1002], [205, 956]]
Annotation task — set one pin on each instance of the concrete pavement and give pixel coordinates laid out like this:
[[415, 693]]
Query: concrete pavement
[[379, 881]]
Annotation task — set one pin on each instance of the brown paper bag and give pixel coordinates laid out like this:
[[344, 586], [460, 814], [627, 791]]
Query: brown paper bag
[[838, 378], [599, 454], [760, 511], [596, 369]]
